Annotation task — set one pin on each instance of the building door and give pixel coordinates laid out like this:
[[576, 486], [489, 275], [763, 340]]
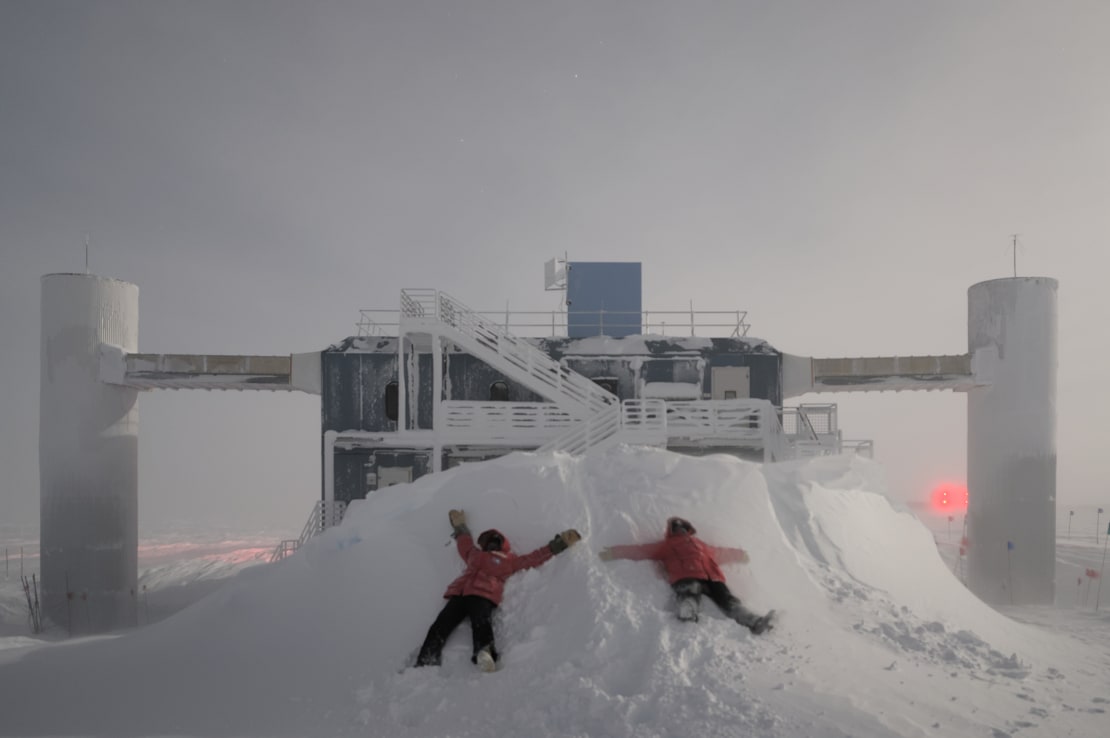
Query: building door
[[731, 382], [391, 475]]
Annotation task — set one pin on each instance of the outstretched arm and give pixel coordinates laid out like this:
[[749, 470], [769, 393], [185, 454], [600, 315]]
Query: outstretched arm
[[636, 552], [558, 544], [725, 555], [463, 542]]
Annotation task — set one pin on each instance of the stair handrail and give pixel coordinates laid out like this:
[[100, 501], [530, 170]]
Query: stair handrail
[[422, 305], [325, 514], [286, 547], [586, 433], [462, 318]]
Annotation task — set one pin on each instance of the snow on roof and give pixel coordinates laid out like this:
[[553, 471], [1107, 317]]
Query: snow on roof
[[645, 345], [876, 637], [607, 346]]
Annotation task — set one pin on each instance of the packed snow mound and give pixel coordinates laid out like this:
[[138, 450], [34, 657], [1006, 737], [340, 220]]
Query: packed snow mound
[[320, 643]]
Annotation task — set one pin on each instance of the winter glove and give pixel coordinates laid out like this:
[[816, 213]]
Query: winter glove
[[564, 540], [606, 554], [458, 522]]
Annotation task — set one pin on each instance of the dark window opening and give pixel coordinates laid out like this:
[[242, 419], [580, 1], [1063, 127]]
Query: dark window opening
[[608, 384], [730, 394], [499, 392], [391, 398]]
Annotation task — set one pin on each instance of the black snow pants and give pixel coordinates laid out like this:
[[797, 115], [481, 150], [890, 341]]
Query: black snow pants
[[688, 593], [458, 608]]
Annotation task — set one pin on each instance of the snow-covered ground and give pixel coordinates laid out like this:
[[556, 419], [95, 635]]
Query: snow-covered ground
[[877, 637]]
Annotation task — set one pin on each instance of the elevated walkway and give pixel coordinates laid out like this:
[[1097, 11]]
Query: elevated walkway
[[293, 373], [960, 373]]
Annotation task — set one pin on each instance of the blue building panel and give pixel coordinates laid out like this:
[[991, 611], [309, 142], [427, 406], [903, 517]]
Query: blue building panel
[[604, 298]]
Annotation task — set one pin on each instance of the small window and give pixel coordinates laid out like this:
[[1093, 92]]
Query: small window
[[391, 401], [608, 384], [730, 394], [499, 392]]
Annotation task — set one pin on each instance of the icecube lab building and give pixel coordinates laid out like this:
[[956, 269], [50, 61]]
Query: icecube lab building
[[433, 383]]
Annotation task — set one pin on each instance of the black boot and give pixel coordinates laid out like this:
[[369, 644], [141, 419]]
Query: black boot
[[688, 608], [688, 599], [763, 624]]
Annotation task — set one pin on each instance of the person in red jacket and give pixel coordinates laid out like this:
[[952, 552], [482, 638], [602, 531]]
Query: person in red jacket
[[477, 592], [693, 569]]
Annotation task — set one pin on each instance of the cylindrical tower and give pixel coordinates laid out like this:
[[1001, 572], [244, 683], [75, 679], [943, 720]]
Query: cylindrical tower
[[1011, 441], [88, 455]]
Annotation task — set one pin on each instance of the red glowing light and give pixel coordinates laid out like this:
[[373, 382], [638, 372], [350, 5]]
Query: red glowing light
[[949, 497]]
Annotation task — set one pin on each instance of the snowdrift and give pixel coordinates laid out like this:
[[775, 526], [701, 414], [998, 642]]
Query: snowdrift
[[877, 637]]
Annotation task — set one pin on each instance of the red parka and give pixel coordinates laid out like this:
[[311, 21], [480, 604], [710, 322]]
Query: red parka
[[486, 571], [684, 556]]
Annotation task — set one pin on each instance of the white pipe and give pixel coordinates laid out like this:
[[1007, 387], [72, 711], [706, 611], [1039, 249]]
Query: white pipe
[[402, 396], [437, 401], [329, 465]]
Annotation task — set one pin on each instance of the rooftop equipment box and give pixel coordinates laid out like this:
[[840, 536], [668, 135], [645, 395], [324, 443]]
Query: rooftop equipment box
[[604, 298]]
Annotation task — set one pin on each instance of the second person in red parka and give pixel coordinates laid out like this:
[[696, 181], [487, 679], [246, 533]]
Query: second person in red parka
[[693, 570], [477, 592]]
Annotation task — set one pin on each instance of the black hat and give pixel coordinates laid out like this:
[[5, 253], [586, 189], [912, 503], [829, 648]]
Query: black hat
[[491, 540], [677, 525]]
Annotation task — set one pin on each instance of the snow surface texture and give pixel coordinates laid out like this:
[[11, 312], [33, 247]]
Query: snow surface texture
[[876, 636]]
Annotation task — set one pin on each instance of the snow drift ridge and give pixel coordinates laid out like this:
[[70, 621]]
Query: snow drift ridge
[[318, 642]]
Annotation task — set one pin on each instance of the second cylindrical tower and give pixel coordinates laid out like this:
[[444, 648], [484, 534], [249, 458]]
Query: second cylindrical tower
[[1011, 441]]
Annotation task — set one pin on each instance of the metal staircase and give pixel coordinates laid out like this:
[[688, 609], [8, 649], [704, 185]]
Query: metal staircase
[[583, 414], [435, 312], [325, 514]]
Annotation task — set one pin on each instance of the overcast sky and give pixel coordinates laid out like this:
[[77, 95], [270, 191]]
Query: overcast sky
[[842, 170]]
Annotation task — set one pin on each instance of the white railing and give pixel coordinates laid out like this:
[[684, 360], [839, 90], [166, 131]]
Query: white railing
[[821, 417], [523, 423], [588, 433], [808, 449], [325, 514], [644, 422], [516, 357], [724, 419], [811, 429], [797, 426], [863, 448], [286, 548], [750, 423], [557, 323]]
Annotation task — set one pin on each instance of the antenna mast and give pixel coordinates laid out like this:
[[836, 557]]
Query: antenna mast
[[86, 253], [1015, 254]]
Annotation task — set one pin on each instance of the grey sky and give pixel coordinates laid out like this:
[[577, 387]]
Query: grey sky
[[843, 171]]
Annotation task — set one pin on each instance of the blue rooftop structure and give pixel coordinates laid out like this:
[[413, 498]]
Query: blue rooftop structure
[[604, 298]]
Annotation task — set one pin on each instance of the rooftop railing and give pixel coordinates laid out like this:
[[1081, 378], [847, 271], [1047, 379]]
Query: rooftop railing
[[557, 323]]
